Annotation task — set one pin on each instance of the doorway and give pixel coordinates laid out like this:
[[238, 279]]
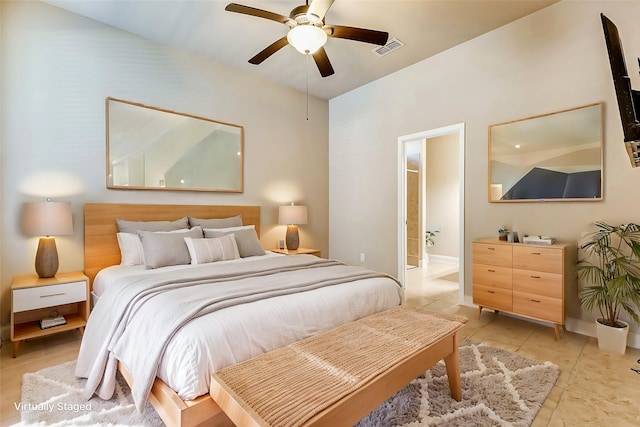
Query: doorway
[[424, 192]]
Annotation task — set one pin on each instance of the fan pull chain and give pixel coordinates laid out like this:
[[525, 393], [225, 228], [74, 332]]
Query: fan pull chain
[[307, 69]]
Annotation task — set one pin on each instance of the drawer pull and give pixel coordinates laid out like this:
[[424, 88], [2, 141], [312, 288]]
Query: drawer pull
[[491, 249], [492, 292], [491, 271], [53, 295], [535, 277], [535, 253], [535, 300]]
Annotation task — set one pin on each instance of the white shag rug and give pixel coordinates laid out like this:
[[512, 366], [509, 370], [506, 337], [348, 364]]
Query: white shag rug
[[499, 388]]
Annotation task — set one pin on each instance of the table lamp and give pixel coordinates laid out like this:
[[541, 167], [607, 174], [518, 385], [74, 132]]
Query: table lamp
[[47, 219], [292, 216]]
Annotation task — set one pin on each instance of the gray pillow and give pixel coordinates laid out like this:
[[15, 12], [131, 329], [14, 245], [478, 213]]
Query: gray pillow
[[162, 249], [234, 221], [125, 226], [246, 239]]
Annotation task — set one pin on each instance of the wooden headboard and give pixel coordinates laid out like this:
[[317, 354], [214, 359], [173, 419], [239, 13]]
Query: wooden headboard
[[101, 244]]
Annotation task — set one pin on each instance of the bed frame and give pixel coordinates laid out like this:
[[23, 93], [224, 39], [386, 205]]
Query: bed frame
[[101, 250]]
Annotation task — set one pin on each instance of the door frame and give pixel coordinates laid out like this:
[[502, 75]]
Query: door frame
[[402, 197]]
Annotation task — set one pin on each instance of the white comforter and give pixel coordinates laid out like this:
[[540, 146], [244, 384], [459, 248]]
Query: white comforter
[[234, 334]]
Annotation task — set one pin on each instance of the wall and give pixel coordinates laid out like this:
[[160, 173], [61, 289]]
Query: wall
[[57, 70], [443, 194], [548, 61]]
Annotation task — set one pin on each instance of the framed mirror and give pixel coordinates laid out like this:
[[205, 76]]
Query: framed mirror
[[149, 148], [551, 157]]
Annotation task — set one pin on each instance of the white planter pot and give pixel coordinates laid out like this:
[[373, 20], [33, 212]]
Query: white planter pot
[[612, 340]]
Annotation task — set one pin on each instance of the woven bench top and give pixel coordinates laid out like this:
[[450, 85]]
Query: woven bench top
[[290, 385]]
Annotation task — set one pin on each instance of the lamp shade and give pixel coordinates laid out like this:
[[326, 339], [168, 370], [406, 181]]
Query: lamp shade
[[307, 39], [47, 219], [292, 214]]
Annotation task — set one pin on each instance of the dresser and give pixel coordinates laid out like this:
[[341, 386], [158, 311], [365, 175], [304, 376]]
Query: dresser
[[527, 280]]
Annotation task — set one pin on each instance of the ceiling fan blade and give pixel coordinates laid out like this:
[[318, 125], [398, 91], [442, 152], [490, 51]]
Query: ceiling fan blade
[[269, 50], [323, 63], [247, 10], [358, 34], [319, 8]]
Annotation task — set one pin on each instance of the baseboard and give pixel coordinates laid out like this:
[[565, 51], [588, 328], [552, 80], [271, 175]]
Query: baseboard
[[578, 326], [584, 327], [443, 258]]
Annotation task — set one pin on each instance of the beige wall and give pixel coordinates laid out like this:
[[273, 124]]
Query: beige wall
[[552, 60], [443, 194], [58, 68]]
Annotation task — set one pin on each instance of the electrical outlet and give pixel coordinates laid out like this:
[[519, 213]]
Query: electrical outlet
[[362, 257]]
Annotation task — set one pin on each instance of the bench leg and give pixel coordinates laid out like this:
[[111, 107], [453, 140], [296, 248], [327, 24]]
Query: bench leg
[[452, 362]]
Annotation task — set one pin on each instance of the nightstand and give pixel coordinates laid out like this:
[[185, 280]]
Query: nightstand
[[33, 299], [308, 251]]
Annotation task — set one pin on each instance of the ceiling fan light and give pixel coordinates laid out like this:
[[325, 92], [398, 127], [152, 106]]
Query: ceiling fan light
[[307, 39]]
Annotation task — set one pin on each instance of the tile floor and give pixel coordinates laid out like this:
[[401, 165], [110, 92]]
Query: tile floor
[[594, 389]]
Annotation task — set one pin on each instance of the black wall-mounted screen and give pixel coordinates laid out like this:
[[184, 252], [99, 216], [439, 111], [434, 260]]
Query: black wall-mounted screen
[[628, 99]]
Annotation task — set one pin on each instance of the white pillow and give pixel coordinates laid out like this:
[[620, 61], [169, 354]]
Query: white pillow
[[131, 250], [203, 251]]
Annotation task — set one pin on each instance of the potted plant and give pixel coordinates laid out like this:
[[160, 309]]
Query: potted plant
[[429, 240], [503, 233], [611, 268]]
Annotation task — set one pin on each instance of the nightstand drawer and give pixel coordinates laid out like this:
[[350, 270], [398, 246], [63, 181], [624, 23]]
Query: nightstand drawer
[[48, 296]]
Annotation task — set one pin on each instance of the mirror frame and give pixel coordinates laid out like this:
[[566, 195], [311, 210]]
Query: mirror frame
[[529, 121], [216, 124]]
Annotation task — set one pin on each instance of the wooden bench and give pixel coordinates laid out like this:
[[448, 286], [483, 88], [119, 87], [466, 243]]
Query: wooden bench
[[339, 376]]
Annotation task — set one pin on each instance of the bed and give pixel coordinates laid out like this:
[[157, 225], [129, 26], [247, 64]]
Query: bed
[[259, 321]]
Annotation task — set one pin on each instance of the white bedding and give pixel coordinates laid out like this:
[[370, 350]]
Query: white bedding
[[234, 334]]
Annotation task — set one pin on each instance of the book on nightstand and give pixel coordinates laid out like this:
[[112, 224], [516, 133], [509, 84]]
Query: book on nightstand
[[50, 322]]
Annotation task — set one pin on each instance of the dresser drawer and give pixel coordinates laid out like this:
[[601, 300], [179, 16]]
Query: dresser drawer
[[491, 275], [538, 259], [492, 297], [540, 307], [491, 254], [48, 296], [538, 283]]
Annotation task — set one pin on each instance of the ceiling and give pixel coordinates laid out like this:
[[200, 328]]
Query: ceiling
[[426, 27]]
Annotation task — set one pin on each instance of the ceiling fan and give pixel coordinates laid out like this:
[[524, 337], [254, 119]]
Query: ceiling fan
[[308, 33]]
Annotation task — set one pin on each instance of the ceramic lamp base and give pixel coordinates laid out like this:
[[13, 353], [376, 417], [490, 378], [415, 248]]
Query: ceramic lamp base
[[47, 257], [293, 240]]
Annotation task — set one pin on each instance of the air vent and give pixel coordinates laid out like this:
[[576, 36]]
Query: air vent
[[391, 45]]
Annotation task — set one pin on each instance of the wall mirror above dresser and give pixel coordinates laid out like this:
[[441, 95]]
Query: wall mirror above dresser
[[550, 157], [150, 148]]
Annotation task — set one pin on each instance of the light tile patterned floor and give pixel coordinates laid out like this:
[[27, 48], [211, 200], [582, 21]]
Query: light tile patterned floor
[[594, 388]]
